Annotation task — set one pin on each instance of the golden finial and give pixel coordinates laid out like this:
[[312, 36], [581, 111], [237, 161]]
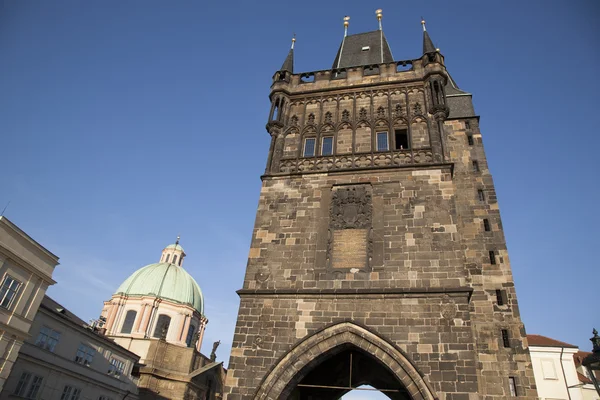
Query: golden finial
[[438, 49], [293, 41], [379, 13], [346, 23], [423, 23]]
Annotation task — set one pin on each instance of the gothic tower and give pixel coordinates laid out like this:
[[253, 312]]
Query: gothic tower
[[377, 256]]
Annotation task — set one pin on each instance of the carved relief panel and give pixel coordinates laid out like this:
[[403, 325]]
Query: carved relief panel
[[350, 240]]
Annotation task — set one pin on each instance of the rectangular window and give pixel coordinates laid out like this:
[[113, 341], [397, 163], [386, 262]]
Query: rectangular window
[[327, 146], [28, 385], [70, 393], [36, 383], [22, 384], [467, 125], [47, 339], [401, 139], [470, 140], [486, 225], [505, 341], [116, 368], [492, 257], [309, 147], [480, 195], [382, 141], [475, 166], [512, 384], [499, 297], [8, 291], [85, 354]]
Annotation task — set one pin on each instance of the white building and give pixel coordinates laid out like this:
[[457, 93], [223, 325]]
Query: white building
[[26, 272], [65, 359], [555, 371]]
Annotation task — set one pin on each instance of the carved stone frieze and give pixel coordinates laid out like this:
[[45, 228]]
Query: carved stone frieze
[[351, 208]]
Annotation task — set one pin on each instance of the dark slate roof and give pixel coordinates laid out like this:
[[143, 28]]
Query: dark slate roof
[[351, 53], [56, 308], [288, 64], [428, 46]]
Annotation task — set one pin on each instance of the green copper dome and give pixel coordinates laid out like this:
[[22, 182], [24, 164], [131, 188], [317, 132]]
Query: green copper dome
[[165, 281], [175, 246]]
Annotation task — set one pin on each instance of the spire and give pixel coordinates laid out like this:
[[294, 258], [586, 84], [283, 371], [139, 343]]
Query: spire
[[428, 46], [288, 64]]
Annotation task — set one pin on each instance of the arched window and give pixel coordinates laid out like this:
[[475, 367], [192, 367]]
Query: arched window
[[180, 260], [190, 335], [167, 259], [129, 320], [175, 259], [162, 326]]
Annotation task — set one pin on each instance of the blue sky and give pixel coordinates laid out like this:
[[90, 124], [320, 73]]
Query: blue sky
[[126, 123]]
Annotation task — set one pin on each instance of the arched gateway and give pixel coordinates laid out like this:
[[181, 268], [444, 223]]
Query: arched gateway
[[338, 359]]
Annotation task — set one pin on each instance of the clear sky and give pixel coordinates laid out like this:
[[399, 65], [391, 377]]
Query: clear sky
[[126, 123]]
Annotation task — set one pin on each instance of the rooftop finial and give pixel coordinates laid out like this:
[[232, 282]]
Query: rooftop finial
[[379, 13], [177, 241], [423, 23], [346, 23], [293, 41]]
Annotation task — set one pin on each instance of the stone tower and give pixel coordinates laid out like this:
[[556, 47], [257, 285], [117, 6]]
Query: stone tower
[[377, 256]]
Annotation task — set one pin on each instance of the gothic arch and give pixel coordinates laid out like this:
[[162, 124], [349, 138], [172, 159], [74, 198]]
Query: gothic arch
[[285, 371]]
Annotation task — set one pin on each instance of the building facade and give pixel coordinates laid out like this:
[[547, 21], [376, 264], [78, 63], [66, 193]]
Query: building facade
[[377, 256], [158, 313], [26, 271], [66, 359], [558, 371]]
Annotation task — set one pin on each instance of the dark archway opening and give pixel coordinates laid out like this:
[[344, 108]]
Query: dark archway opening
[[341, 370]]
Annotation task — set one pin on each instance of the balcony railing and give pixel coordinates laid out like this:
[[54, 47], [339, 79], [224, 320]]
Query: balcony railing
[[355, 161]]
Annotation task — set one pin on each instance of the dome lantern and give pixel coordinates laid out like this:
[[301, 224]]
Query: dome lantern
[[173, 254]]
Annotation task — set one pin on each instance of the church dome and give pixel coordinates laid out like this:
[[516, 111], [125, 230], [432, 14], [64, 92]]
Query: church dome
[[166, 280]]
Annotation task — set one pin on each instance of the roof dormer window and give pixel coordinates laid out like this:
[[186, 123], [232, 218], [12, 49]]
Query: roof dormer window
[[366, 48]]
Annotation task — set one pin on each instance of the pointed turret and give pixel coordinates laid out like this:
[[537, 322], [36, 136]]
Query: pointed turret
[[288, 64], [428, 46]]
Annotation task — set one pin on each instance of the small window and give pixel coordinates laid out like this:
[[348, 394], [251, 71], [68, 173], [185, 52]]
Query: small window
[[174, 259], [512, 385], [382, 141], [129, 320], [327, 146], [180, 260], [365, 48], [70, 393], [492, 257], [486, 225], [480, 195], [85, 354], [499, 297], [467, 125], [309, 147], [8, 291], [47, 339], [470, 140], [190, 335], [28, 385], [162, 325], [505, 341], [167, 259], [475, 166], [401, 139], [116, 367]]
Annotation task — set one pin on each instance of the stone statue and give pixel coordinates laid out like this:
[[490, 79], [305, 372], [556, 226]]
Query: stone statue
[[213, 353]]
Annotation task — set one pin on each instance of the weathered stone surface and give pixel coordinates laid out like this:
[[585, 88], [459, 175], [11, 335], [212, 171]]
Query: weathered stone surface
[[409, 269]]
